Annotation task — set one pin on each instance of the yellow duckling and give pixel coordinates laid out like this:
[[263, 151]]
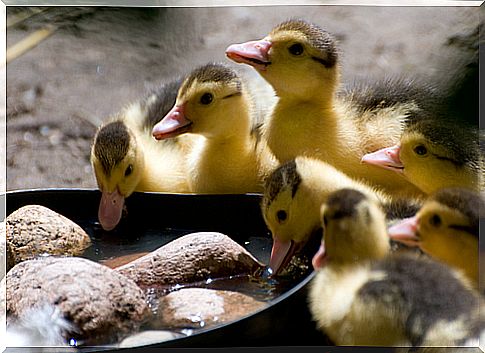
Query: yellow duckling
[[361, 295], [291, 203], [214, 104], [447, 229], [433, 155], [313, 118], [126, 158]]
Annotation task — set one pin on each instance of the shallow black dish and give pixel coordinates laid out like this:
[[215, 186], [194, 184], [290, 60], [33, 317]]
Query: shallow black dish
[[285, 321]]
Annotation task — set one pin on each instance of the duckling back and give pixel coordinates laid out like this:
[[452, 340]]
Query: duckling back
[[395, 300]]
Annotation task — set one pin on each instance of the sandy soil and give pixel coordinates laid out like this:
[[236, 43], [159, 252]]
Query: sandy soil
[[100, 59]]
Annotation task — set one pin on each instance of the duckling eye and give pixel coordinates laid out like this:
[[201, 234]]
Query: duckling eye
[[128, 170], [420, 150], [206, 98], [296, 49], [281, 215], [435, 220]]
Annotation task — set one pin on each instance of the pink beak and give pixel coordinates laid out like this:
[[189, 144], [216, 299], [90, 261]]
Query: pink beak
[[110, 209], [254, 53], [405, 232], [320, 257], [281, 254], [387, 158], [173, 124]]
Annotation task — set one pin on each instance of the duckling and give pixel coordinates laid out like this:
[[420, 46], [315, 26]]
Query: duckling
[[313, 117], [125, 158], [214, 104], [291, 203], [447, 229], [433, 155], [362, 295]]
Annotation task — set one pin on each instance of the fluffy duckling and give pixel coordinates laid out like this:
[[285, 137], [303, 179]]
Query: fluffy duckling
[[126, 158], [312, 117], [433, 155], [363, 296], [447, 229], [291, 203], [214, 104]]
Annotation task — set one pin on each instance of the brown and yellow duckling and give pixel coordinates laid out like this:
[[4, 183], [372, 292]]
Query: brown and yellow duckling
[[447, 229], [214, 104], [434, 155], [291, 204], [126, 158], [314, 117], [362, 295]]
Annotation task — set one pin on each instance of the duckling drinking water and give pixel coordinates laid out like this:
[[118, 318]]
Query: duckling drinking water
[[291, 203], [313, 117], [361, 295], [214, 104], [126, 158]]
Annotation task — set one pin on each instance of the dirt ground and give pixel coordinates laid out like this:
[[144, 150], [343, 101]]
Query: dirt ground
[[100, 58]]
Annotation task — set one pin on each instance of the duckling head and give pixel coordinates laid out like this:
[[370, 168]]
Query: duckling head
[[434, 155], [118, 165], [297, 58], [354, 229], [291, 212], [447, 221], [208, 101]]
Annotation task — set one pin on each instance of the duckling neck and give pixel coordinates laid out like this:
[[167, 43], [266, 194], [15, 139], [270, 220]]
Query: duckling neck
[[299, 127], [224, 163]]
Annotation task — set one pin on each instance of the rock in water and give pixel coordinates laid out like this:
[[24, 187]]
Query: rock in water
[[102, 305]]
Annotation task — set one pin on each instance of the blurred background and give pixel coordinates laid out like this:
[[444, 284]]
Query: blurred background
[[69, 68]]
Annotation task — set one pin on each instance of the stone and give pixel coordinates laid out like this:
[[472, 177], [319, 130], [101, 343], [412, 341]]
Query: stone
[[102, 305], [191, 258], [35, 230], [148, 337], [202, 308]]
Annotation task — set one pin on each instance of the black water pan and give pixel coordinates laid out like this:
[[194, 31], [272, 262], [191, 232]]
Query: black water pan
[[285, 321]]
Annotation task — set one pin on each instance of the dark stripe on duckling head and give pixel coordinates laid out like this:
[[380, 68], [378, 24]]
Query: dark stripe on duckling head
[[284, 177], [344, 203], [467, 202], [111, 145], [321, 40], [218, 73], [461, 143], [166, 94], [423, 292]]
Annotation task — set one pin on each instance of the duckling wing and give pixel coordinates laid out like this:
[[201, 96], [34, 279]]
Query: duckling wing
[[390, 94]]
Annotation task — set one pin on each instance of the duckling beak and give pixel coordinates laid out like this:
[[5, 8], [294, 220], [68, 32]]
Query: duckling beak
[[254, 53], [172, 124], [110, 209], [281, 254], [387, 158], [320, 258], [405, 231]]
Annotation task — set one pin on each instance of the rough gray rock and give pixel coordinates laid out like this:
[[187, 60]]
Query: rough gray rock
[[200, 307], [102, 305], [193, 257], [34, 230]]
